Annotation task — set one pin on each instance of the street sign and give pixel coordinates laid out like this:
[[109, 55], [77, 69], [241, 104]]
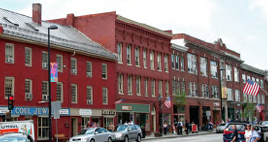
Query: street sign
[[56, 107]]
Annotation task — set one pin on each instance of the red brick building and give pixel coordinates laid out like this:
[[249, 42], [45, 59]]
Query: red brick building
[[143, 68], [86, 74]]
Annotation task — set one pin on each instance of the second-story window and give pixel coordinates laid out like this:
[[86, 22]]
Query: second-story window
[[262, 84], [215, 92], [28, 89], [89, 69], [60, 62], [144, 58], [230, 94], [129, 85], [104, 71], [182, 64], [152, 60], [74, 93], [228, 72], [120, 83], [129, 54], [89, 95], [44, 91], [243, 78], [203, 66], [258, 81], [245, 97], [172, 61], [119, 52], [192, 68], [105, 96], [253, 79], [173, 86], [44, 60], [205, 91], [262, 99], [9, 86], [193, 89], [250, 98], [166, 63], [254, 99], [236, 74], [259, 98], [28, 56], [146, 87], [60, 91], [160, 88], [183, 87], [138, 86], [137, 56], [167, 89], [177, 62], [213, 69], [9, 51], [153, 88], [159, 62], [178, 87], [237, 95], [73, 66]]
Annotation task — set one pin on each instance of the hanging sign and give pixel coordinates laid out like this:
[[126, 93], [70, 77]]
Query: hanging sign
[[54, 71]]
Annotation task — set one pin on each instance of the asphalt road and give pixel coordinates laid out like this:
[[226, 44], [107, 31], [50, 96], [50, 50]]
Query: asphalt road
[[198, 138]]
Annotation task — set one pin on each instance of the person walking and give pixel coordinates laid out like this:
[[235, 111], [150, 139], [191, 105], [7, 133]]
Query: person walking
[[165, 126], [234, 135], [247, 133], [186, 127], [180, 127], [255, 136]]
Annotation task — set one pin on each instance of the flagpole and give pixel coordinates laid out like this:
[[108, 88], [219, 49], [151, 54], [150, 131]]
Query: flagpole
[[264, 91]]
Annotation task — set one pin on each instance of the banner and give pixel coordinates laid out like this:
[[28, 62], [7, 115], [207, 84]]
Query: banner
[[54, 71], [224, 92]]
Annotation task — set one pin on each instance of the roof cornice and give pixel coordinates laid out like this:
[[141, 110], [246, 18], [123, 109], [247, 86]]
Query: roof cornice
[[252, 69]]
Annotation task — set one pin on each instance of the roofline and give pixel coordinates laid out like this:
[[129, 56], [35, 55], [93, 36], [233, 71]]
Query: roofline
[[179, 47], [252, 69]]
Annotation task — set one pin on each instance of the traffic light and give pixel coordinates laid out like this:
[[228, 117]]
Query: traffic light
[[10, 102]]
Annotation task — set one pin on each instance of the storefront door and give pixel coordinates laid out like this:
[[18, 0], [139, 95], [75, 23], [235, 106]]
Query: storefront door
[[74, 126]]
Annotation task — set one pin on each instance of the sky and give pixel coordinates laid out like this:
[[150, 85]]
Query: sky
[[241, 24]]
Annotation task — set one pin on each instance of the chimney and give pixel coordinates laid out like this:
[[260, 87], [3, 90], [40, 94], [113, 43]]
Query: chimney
[[70, 20], [37, 8]]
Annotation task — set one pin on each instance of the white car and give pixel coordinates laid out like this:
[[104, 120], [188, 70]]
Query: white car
[[97, 134]]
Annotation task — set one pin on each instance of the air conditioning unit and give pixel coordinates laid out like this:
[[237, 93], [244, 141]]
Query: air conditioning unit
[[9, 60], [44, 97], [89, 102], [28, 96], [44, 65], [89, 74], [74, 71]]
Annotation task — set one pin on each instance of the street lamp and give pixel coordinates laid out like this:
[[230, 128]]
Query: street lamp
[[221, 69], [52, 27], [160, 114]]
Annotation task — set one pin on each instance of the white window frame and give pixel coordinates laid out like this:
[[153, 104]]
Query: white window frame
[[129, 83], [248, 77], [129, 55], [230, 94], [146, 86], [60, 62], [236, 74], [253, 79], [258, 81], [105, 95], [12, 79], [74, 67], [12, 56], [119, 53], [59, 92], [203, 66], [160, 88], [167, 89], [193, 89], [121, 84], [138, 86], [228, 72], [205, 92], [90, 94], [137, 57], [262, 86], [45, 60], [153, 88], [182, 63], [244, 78], [192, 63], [159, 62], [104, 72], [145, 58], [172, 61], [237, 95], [166, 63], [28, 57], [75, 93], [215, 92], [89, 69], [42, 127], [30, 87], [214, 69], [177, 62], [45, 89], [152, 60]]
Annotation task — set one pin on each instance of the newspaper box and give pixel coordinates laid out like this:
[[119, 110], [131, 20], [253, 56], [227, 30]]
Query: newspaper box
[[194, 128]]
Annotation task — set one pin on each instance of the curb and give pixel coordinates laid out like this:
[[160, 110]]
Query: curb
[[177, 136]]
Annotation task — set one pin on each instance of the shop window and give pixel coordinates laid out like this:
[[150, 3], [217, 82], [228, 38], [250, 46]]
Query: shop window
[[9, 53], [28, 56], [43, 128], [84, 122], [192, 61], [107, 121], [60, 62], [203, 66]]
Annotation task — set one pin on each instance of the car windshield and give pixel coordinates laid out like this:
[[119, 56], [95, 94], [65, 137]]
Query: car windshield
[[122, 128], [13, 139], [87, 131]]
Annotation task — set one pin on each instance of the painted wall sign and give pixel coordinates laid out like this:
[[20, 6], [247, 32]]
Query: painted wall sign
[[126, 107], [32, 111], [54, 71], [108, 112], [85, 112]]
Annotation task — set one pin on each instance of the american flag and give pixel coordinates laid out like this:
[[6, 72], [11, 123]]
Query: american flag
[[168, 103], [259, 107], [251, 88], [119, 101]]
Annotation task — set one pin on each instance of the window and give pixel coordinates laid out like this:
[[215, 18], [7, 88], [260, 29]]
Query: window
[[28, 89], [153, 88], [259, 98], [9, 86], [43, 128], [243, 78], [261, 84], [160, 88], [228, 72], [178, 87], [129, 85], [249, 98], [44, 91], [120, 83], [177, 62], [9, 53], [104, 71], [144, 58], [129, 54], [119, 52], [28, 56], [248, 77], [203, 66], [253, 79], [237, 95], [258, 81], [84, 122], [245, 97], [215, 92], [138, 86], [159, 65], [172, 61], [173, 86], [254, 99], [167, 88], [60, 62], [89, 69], [214, 69], [236, 74], [74, 93], [105, 96], [60, 91], [193, 89], [44, 60], [262, 99], [192, 68], [205, 91], [182, 64], [146, 87], [89, 95], [183, 87], [229, 94], [166, 63], [73, 66], [152, 60], [137, 56]]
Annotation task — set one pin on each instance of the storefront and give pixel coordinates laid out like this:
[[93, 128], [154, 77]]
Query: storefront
[[216, 110]]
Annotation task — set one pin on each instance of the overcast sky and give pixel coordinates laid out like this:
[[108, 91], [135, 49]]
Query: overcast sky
[[241, 24]]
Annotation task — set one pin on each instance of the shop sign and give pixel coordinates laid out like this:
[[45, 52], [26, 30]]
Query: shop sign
[[32, 111], [3, 110], [85, 112], [108, 112], [216, 103], [126, 107]]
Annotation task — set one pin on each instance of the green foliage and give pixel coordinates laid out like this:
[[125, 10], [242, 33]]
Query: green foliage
[[179, 99], [249, 110]]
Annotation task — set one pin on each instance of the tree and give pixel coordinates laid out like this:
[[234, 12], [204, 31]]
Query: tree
[[179, 100], [249, 110]]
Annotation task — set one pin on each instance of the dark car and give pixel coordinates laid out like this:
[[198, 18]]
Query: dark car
[[263, 131], [228, 131]]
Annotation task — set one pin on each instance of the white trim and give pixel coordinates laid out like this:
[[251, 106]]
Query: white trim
[[30, 49]]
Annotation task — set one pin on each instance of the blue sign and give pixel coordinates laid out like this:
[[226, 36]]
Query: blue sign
[[32, 111]]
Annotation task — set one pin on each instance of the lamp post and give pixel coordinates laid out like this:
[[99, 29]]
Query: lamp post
[[160, 114], [221, 69], [53, 27]]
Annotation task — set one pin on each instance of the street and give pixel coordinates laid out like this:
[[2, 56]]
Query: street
[[199, 138]]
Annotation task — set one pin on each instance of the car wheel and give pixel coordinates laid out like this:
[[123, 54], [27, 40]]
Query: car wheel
[[138, 138], [92, 140], [126, 139], [109, 139]]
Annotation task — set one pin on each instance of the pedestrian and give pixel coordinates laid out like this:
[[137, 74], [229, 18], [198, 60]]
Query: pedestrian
[[234, 135], [88, 124], [247, 133], [111, 127], [125, 123], [165, 126], [179, 127], [255, 136], [186, 127]]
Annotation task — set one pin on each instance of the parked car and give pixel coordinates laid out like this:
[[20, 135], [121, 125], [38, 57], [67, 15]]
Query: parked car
[[228, 131], [263, 131], [15, 137], [264, 123], [220, 128], [96, 134], [128, 132]]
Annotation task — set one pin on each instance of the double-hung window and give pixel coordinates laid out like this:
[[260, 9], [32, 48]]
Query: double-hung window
[[60, 91], [259, 98], [146, 87], [74, 93], [258, 81], [182, 63], [43, 128], [60, 62], [173, 86], [153, 88], [119, 52], [152, 60], [44, 91], [166, 63], [214, 69], [172, 61], [193, 89], [9, 86], [177, 62], [183, 87], [248, 77], [28, 56], [192, 68], [203, 66], [138, 86], [137, 56], [253, 79], [129, 54], [243, 78], [74, 66], [160, 88], [215, 92], [254, 99], [104, 71], [262, 99], [120, 83], [205, 91], [89, 69], [178, 87], [228, 72], [262, 84], [167, 88], [9, 52], [159, 62], [250, 98], [45, 60], [129, 85], [230, 94], [144, 58], [28, 89], [236, 74], [105, 96], [245, 98], [237, 95], [89, 95]]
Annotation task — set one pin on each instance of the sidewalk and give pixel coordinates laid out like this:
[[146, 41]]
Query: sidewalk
[[171, 135]]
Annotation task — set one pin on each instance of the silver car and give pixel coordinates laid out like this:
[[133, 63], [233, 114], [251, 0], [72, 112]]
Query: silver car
[[16, 137], [97, 134], [128, 132], [220, 128]]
